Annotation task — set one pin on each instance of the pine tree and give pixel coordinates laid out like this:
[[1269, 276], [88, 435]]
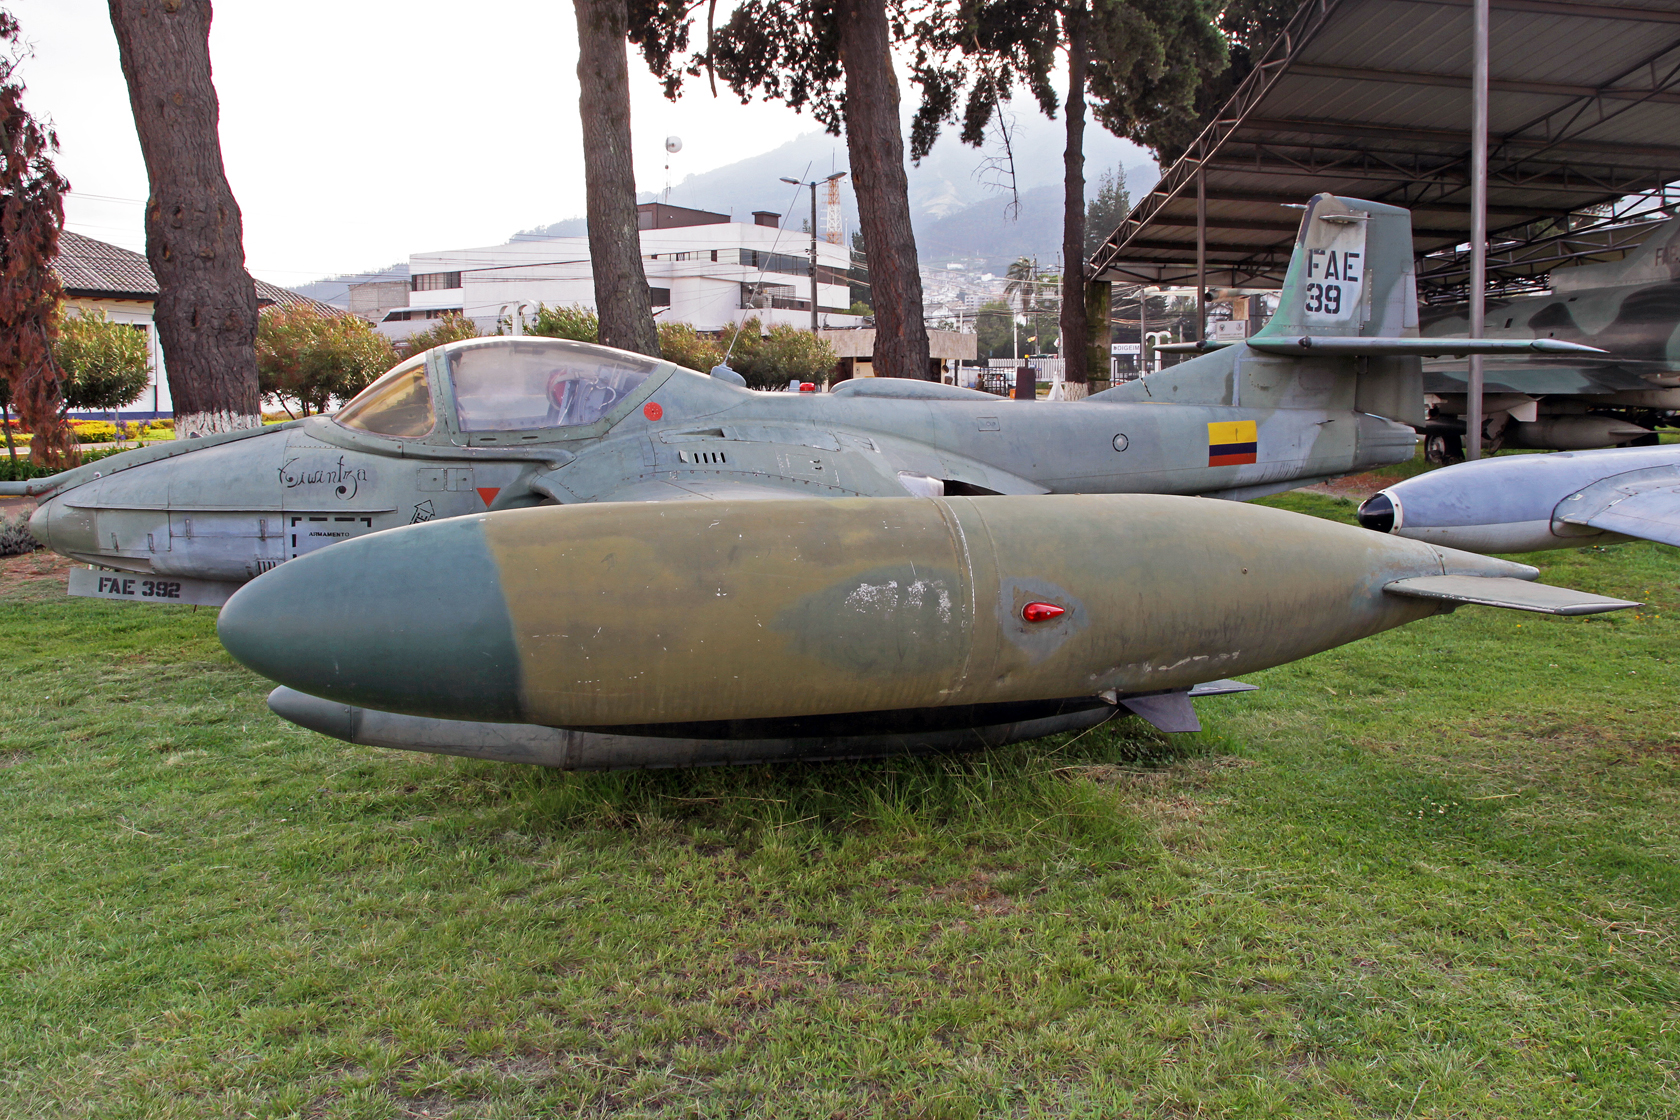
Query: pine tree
[[206, 311], [835, 57], [1107, 210], [1137, 62]]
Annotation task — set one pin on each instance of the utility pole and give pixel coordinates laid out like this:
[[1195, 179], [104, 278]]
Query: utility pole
[[814, 184]]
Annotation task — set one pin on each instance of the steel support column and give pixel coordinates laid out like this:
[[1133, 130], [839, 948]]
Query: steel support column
[[1143, 330], [1201, 255], [1478, 221]]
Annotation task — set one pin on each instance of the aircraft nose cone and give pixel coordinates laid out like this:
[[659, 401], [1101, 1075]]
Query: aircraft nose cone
[[40, 522], [1377, 513], [391, 621]]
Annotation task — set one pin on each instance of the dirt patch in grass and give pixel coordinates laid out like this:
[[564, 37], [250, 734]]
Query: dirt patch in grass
[[24, 577], [1194, 773]]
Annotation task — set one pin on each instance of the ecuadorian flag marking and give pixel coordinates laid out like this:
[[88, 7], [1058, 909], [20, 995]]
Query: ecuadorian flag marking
[[1232, 443]]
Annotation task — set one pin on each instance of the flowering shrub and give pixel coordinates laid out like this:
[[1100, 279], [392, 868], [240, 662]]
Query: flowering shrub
[[15, 537]]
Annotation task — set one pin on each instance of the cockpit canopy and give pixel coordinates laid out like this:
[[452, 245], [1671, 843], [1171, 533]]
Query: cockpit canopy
[[524, 383], [398, 404], [501, 385]]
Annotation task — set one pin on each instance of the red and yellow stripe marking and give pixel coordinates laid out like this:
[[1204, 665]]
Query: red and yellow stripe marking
[[1231, 443]]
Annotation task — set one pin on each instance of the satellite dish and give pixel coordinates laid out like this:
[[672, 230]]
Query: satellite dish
[[673, 144]]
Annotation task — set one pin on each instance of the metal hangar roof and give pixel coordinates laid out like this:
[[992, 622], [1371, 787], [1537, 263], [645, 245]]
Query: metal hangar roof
[[1371, 99]]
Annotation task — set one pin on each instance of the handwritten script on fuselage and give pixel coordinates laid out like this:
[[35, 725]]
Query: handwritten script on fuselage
[[345, 481]]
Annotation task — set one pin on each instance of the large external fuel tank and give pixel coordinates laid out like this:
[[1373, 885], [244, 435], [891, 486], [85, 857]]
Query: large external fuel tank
[[659, 615], [1573, 433]]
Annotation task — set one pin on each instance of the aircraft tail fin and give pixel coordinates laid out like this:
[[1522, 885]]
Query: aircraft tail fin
[[1351, 291], [1350, 275], [1655, 261]]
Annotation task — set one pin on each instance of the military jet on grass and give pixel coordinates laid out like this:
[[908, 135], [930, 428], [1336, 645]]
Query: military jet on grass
[[657, 614], [1331, 386], [1628, 308], [1528, 503]]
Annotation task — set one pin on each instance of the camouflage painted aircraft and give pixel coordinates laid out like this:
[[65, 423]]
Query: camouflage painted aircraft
[[679, 597], [1331, 386], [1630, 309]]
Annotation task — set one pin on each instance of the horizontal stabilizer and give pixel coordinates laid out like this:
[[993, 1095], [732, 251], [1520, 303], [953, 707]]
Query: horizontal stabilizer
[[28, 487], [1354, 346], [1202, 347], [1503, 591], [1415, 347]]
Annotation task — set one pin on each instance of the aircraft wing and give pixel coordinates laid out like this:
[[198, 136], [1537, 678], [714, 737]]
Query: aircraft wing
[[1648, 508]]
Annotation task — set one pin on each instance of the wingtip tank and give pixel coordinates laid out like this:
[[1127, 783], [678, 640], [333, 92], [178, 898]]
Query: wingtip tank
[[679, 619]]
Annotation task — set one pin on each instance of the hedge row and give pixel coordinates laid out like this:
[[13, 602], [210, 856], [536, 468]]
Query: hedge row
[[25, 468]]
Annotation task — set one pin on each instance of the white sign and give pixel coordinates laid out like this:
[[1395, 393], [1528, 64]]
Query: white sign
[[133, 587], [1123, 349], [1230, 330], [1335, 273]]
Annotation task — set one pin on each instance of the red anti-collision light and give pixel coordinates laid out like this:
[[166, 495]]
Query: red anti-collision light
[[807, 387], [1041, 612]]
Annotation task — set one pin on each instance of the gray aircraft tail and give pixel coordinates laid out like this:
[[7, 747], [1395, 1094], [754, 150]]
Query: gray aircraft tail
[[1350, 275], [1656, 261], [1347, 313]]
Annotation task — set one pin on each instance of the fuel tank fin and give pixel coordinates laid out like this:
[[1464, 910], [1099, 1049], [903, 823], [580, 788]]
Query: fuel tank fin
[[1503, 591]]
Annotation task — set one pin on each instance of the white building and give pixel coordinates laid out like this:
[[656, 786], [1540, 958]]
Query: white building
[[702, 269]]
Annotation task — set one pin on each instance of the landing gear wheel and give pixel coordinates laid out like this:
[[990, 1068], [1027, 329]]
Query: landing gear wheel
[[1443, 450]]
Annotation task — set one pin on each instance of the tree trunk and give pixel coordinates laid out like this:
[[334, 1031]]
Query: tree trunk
[[1077, 372], [622, 299], [207, 306], [875, 143], [1099, 319]]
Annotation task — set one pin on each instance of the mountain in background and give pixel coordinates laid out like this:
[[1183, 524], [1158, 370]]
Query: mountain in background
[[960, 202], [959, 198]]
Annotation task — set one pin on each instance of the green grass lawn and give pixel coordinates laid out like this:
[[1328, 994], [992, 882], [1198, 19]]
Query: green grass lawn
[[1432, 874]]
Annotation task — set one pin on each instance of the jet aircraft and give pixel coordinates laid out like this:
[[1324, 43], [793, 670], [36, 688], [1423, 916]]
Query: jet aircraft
[[1331, 386], [1529, 503], [1628, 308]]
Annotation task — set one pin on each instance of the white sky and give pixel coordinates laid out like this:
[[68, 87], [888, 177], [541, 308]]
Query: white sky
[[356, 133]]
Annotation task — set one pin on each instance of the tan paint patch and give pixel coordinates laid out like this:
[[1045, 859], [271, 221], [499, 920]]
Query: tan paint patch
[[715, 610]]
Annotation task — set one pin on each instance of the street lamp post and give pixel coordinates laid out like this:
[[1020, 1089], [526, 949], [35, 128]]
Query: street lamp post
[[814, 184]]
